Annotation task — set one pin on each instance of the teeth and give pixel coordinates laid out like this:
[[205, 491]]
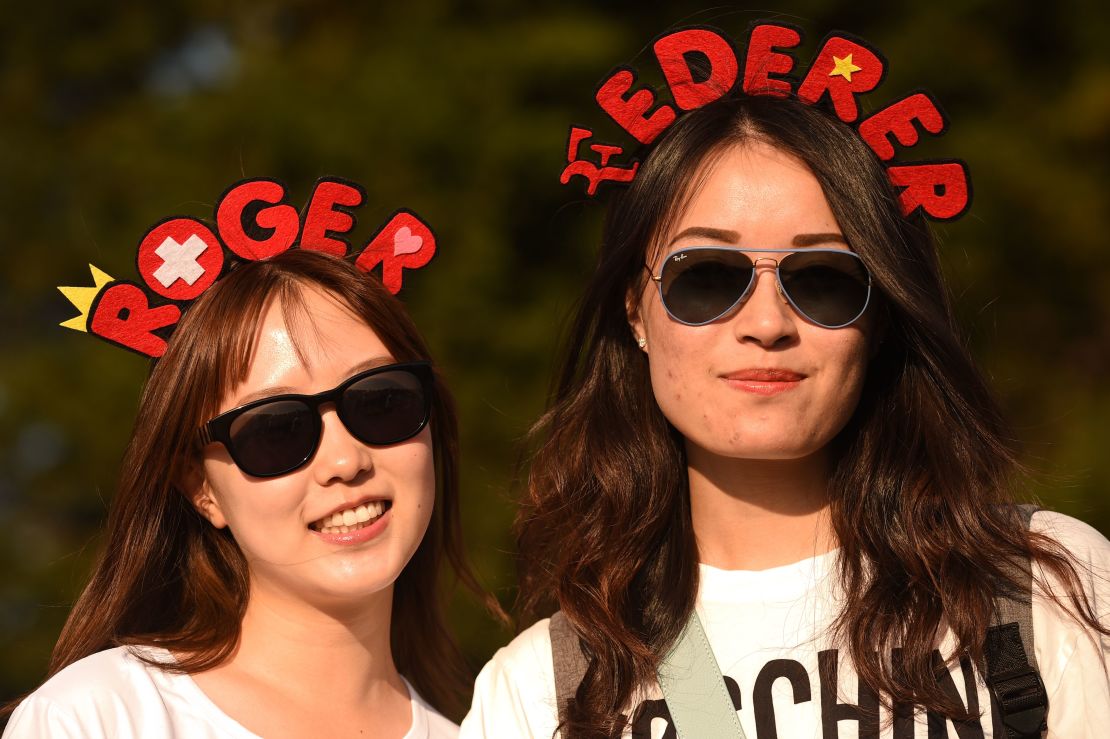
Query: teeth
[[343, 522]]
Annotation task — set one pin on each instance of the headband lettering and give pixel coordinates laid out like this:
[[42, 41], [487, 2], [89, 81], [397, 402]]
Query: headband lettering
[[700, 65], [181, 257]]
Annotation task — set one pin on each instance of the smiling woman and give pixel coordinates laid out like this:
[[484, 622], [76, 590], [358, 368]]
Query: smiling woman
[[285, 505]]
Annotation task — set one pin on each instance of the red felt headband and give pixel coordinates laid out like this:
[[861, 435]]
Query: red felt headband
[[180, 257], [843, 68]]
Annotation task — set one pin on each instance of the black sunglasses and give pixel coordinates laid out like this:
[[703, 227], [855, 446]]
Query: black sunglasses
[[274, 436], [830, 287]]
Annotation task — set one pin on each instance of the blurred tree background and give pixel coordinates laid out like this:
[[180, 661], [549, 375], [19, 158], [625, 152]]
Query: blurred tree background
[[112, 117]]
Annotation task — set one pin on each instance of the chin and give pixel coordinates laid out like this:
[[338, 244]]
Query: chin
[[351, 591], [761, 446], [770, 454]]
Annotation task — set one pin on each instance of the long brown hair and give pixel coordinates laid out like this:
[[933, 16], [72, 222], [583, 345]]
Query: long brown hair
[[925, 532], [166, 576]]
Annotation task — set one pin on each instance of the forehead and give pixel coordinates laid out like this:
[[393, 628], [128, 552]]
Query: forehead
[[763, 194], [306, 336]]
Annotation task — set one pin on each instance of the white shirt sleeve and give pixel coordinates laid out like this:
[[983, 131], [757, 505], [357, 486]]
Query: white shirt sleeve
[[514, 695], [35, 718], [1074, 662]]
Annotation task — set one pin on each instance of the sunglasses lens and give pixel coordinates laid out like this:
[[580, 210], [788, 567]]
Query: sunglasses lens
[[274, 438], [830, 288], [385, 408], [699, 286]]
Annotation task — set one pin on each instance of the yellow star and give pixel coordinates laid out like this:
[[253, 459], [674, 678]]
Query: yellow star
[[844, 67], [83, 297]]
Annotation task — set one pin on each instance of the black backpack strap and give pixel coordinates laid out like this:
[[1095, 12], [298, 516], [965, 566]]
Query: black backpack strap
[[1019, 698], [569, 662]]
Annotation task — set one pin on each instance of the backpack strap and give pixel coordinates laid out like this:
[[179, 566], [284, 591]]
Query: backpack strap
[[689, 678], [694, 688], [1020, 699], [567, 658]]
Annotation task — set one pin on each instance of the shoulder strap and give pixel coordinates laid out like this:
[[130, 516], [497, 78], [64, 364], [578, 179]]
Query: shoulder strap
[[689, 677], [567, 658], [694, 688], [1019, 694]]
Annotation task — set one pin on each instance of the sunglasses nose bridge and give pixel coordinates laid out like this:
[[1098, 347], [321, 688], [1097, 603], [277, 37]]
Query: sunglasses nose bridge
[[774, 265], [329, 400]]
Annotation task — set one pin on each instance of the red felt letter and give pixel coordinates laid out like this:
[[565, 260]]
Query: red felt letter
[[672, 50], [592, 173], [329, 215], [180, 258], [255, 232], [898, 119], [629, 110], [123, 316], [843, 69], [762, 60], [940, 188], [405, 242]]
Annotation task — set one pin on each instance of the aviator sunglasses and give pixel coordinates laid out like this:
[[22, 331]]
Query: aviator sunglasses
[[274, 436], [698, 285]]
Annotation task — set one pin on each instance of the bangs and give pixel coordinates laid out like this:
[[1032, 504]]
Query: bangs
[[237, 342], [690, 157], [232, 318]]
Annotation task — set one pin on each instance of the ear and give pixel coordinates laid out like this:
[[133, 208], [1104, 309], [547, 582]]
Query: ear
[[635, 321], [196, 488]]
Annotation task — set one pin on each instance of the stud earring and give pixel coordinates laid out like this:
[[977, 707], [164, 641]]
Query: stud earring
[[641, 342]]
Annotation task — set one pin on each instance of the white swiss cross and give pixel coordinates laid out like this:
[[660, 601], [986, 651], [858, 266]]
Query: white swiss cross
[[179, 261]]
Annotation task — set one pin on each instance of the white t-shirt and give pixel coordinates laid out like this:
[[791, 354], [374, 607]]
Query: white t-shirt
[[768, 632], [114, 695]]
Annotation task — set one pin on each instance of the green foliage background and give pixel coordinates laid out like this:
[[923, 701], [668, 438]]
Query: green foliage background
[[114, 116]]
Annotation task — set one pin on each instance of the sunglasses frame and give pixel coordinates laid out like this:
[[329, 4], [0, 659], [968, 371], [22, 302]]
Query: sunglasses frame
[[218, 430], [675, 256]]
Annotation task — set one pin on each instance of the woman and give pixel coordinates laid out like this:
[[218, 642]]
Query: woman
[[272, 558], [765, 417]]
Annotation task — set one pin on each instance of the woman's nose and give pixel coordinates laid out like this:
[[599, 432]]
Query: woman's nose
[[341, 457], [765, 317]]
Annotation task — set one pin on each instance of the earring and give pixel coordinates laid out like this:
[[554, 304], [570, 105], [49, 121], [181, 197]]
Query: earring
[[641, 342]]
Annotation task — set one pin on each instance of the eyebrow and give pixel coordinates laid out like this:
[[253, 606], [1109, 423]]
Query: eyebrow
[[814, 239], [717, 234], [288, 390], [732, 237]]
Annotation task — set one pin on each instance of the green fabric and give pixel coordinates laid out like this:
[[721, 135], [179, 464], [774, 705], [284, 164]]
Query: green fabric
[[694, 688]]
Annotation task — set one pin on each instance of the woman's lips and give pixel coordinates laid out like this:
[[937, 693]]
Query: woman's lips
[[764, 381], [359, 535]]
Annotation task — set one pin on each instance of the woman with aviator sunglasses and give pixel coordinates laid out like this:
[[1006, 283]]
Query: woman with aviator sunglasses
[[273, 552], [767, 441]]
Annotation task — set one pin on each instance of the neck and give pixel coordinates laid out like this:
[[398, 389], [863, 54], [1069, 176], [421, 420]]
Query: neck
[[757, 514], [340, 655]]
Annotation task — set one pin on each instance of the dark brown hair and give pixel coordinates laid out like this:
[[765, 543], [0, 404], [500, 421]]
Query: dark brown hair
[[924, 525], [167, 577]]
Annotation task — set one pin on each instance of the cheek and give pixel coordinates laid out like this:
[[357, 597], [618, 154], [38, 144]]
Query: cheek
[[251, 506], [678, 373], [844, 376], [851, 355], [413, 471]]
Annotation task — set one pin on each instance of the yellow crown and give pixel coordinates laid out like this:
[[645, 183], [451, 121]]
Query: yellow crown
[[82, 298]]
